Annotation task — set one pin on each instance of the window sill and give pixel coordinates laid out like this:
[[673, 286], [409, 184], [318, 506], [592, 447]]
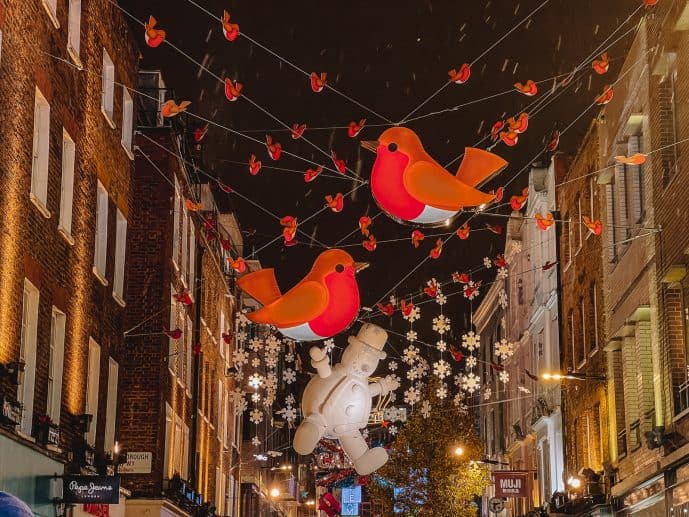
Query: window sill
[[26, 436], [101, 278], [108, 117], [581, 365], [51, 14], [66, 235], [594, 351], [128, 151], [39, 204], [74, 55], [118, 299]]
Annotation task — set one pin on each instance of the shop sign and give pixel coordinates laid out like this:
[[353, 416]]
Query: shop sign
[[91, 489], [137, 463], [509, 483]]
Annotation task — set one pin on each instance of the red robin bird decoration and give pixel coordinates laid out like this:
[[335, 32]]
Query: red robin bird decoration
[[318, 82], [518, 202], [460, 278], [432, 288], [371, 244], [226, 244], [191, 206], [154, 37], [500, 260], [335, 203], [227, 337], [530, 375], [417, 237], [173, 334], [229, 30], [605, 97], [463, 231], [233, 90], [298, 130], [529, 88], [406, 307], [200, 133], [495, 130], [324, 303], [254, 165], [601, 65], [635, 159], [499, 193], [289, 229], [312, 174], [437, 250], [495, 228], [509, 138], [364, 223], [649, 3], [594, 226], [238, 264], [469, 290], [456, 354], [544, 222], [183, 298], [554, 141], [171, 108], [340, 165], [520, 124], [274, 149], [497, 367], [460, 76], [549, 265], [225, 188], [387, 309], [355, 128]]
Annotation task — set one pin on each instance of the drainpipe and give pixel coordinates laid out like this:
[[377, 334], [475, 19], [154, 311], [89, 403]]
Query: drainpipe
[[197, 366], [563, 399]]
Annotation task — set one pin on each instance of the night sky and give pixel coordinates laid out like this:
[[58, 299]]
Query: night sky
[[389, 56]]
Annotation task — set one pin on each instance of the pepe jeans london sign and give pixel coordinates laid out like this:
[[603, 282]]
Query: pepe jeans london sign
[[91, 489], [510, 483]]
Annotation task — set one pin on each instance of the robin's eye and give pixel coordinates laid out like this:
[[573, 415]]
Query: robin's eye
[[339, 268], [392, 147]]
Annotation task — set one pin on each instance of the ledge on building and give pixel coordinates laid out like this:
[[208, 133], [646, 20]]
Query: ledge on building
[[39, 204], [120, 301], [66, 235], [51, 14], [101, 278], [108, 117]]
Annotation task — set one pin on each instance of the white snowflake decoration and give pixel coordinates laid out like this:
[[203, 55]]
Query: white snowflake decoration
[[255, 381], [392, 366], [441, 392], [516, 247], [256, 416], [273, 343], [289, 358], [364, 433], [412, 374], [242, 320], [256, 441], [414, 314], [255, 397], [487, 263], [470, 290], [393, 396], [458, 401], [395, 378], [240, 406], [271, 381], [502, 299], [441, 324], [271, 362], [441, 299], [426, 409], [393, 299], [471, 361], [240, 357], [504, 377], [410, 354], [411, 396], [471, 341], [524, 389], [255, 362], [502, 273], [328, 345], [441, 369], [289, 400], [411, 335], [441, 345], [504, 349], [241, 336], [289, 413], [471, 382], [392, 430], [487, 393], [289, 376], [255, 344]]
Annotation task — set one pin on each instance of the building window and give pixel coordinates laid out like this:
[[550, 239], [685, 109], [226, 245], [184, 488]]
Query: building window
[[221, 331], [107, 100], [583, 347], [670, 133], [185, 453], [593, 186], [41, 149], [594, 308], [92, 381], [67, 183], [100, 256], [192, 257], [168, 441], [127, 120], [172, 344], [572, 344], [175, 225], [74, 30], [120, 250], [577, 219], [51, 8], [111, 405], [611, 221], [219, 411], [55, 364], [634, 176], [27, 355], [185, 242], [188, 355], [566, 240], [179, 445]]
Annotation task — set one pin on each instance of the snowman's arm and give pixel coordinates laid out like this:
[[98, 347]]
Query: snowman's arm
[[375, 389], [383, 386], [319, 360]]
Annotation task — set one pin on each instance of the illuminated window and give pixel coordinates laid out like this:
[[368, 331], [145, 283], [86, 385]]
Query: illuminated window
[[41, 149], [92, 382], [55, 364], [74, 30], [67, 183], [120, 250], [100, 256], [127, 119], [108, 96]]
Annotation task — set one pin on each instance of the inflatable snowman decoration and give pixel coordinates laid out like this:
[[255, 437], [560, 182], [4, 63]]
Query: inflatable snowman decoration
[[337, 402]]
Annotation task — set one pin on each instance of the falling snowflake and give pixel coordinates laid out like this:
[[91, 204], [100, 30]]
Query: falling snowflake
[[255, 381], [441, 299], [328, 345], [289, 358], [392, 366], [256, 441], [255, 344], [255, 397], [410, 354], [504, 349], [441, 369], [502, 273], [255, 362], [425, 409], [471, 341], [471, 361], [411, 335], [441, 324], [289, 376], [411, 396], [441, 392], [502, 299], [256, 416], [392, 430], [471, 382], [441, 346], [413, 315], [240, 357], [504, 377], [487, 263]]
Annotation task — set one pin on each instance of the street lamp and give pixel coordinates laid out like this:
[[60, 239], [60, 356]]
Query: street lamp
[[459, 451], [274, 492], [556, 376]]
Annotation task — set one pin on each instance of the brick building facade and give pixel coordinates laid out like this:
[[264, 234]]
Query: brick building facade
[[66, 128]]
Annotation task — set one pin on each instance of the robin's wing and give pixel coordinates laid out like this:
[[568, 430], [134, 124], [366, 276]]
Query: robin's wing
[[299, 305], [478, 166], [261, 285], [434, 186]]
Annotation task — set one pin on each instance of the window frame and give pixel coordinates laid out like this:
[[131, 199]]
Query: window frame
[[120, 256], [56, 357], [67, 186], [100, 255], [50, 7], [92, 389], [127, 123], [40, 158], [27, 353], [111, 405], [74, 31], [107, 104]]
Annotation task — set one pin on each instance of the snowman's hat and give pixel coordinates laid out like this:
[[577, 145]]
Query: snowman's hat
[[373, 338]]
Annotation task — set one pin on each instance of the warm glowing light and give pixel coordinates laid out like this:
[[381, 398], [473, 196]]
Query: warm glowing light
[[310, 502], [551, 376], [116, 448], [574, 482], [459, 451], [447, 222], [274, 492]]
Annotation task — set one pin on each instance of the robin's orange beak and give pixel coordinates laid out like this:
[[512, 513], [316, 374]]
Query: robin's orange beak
[[370, 145], [360, 266]]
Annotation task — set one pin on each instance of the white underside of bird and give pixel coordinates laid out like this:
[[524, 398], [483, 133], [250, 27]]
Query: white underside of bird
[[433, 215]]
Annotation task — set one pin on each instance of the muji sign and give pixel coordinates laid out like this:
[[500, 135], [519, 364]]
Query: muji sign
[[510, 483]]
